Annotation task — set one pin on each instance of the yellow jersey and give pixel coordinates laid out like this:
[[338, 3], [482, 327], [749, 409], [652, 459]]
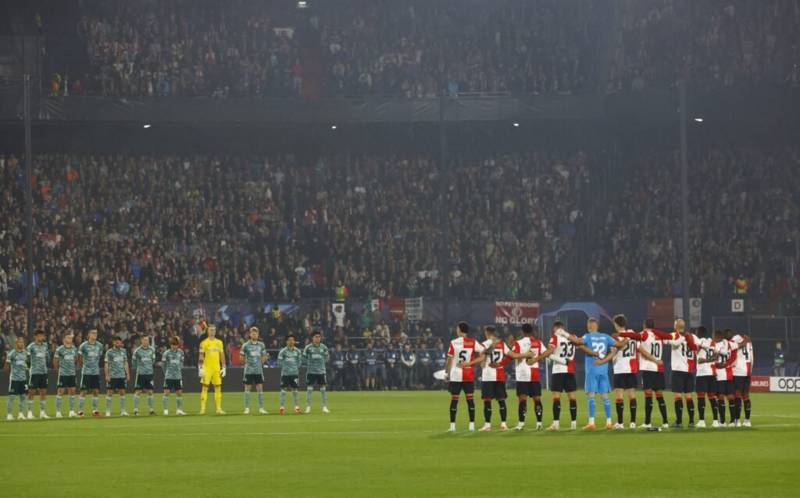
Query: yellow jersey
[[212, 349]]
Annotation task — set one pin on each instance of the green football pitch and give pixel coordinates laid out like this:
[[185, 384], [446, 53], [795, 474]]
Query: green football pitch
[[392, 444]]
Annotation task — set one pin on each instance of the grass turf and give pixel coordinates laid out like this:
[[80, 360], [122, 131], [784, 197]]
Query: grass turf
[[392, 444]]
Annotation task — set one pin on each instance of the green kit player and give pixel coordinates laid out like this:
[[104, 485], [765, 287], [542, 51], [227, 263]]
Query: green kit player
[[89, 354], [172, 363], [17, 368], [289, 360], [118, 374], [315, 358], [144, 360], [38, 351], [254, 355], [64, 361]]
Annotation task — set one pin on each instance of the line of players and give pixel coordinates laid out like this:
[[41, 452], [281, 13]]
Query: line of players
[[717, 368], [28, 377]]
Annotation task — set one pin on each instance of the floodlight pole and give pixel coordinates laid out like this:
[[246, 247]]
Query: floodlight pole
[[684, 205], [29, 291]]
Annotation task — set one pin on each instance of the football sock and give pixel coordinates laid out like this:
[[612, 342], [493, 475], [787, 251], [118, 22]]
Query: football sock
[[453, 409], [179, 402], [690, 409], [203, 397], [648, 410], [471, 409], [678, 411], [503, 410], [732, 409], [122, 403], [246, 400], [72, 403], [573, 410], [721, 410], [136, 402], [738, 407], [10, 405], [701, 408], [539, 409], [324, 393], [309, 392], [218, 397], [592, 408], [556, 409], [747, 407], [108, 404], [632, 406], [662, 407], [607, 407], [150, 402], [164, 402], [521, 408], [282, 397], [620, 410], [714, 408], [30, 405], [58, 403], [260, 400], [487, 411], [81, 403], [296, 397]]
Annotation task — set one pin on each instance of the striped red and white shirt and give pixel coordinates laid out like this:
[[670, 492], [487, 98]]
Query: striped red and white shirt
[[565, 351], [495, 355], [626, 361], [523, 371], [463, 349], [726, 351]]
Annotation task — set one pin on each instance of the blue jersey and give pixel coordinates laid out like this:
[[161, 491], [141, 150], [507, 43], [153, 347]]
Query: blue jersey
[[601, 344]]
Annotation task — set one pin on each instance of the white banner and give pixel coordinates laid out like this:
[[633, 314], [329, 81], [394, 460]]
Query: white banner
[[338, 313], [784, 384], [414, 309]]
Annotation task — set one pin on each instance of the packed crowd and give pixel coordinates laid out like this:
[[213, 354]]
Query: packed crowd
[[743, 231], [125, 243], [174, 229], [714, 44], [241, 48], [247, 48], [129, 243]]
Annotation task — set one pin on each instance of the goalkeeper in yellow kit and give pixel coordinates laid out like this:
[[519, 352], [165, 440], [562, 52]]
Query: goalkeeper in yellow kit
[[212, 369]]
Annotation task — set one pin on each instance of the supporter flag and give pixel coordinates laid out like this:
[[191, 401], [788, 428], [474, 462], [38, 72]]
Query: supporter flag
[[515, 312], [375, 305], [397, 308], [665, 311]]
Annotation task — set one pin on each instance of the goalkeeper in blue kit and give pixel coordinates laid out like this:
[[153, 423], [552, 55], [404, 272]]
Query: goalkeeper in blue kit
[[604, 347]]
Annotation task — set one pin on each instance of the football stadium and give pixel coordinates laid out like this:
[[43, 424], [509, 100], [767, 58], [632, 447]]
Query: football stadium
[[399, 248]]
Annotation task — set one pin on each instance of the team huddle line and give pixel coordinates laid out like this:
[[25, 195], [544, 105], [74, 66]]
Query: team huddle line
[[718, 368], [27, 367]]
